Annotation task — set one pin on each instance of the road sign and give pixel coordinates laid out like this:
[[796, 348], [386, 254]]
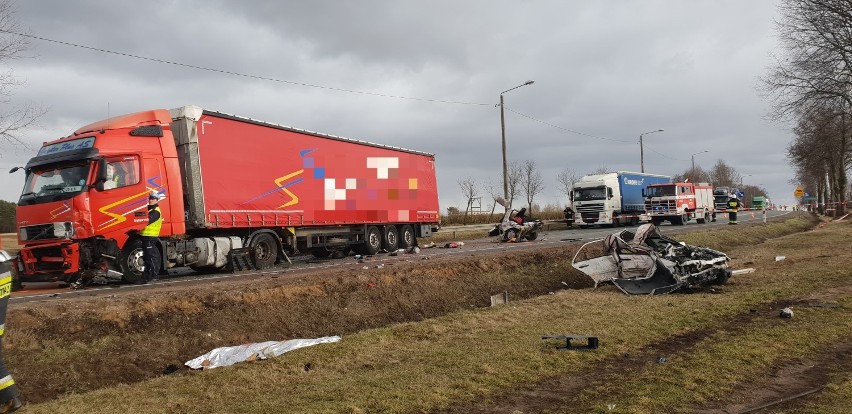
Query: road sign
[[799, 192]]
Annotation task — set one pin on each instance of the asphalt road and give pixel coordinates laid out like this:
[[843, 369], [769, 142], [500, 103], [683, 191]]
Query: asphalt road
[[555, 233]]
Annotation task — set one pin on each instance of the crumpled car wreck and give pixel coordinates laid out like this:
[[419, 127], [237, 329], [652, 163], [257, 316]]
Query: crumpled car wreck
[[648, 263]]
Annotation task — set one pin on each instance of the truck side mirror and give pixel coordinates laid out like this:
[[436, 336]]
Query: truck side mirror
[[643, 193], [101, 177]]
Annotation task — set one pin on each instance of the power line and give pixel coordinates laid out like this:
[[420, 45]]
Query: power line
[[562, 128], [265, 78], [227, 72]]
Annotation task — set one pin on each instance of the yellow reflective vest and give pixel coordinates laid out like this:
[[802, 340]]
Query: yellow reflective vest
[[153, 229]]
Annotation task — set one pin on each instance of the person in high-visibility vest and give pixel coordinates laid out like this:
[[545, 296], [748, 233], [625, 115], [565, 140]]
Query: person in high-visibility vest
[[150, 239], [10, 399], [733, 206]]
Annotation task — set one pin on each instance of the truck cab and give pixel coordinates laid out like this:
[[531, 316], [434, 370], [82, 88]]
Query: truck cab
[[85, 194], [595, 198]]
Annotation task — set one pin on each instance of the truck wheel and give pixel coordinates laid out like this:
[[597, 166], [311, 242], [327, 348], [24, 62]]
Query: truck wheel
[[634, 221], [704, 219], [372, 241], [390, 239], [264, 250], [131, 262], [406, 237]]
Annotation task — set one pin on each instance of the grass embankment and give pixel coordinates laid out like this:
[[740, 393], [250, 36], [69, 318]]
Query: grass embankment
[[494, 357]]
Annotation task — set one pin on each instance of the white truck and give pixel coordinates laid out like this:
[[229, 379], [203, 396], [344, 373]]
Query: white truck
[[614, 198]]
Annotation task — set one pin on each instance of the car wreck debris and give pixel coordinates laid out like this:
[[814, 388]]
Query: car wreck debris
[[649, 263], [591, 341]]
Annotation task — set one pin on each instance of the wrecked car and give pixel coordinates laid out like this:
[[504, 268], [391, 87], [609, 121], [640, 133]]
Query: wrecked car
[[649, 263]]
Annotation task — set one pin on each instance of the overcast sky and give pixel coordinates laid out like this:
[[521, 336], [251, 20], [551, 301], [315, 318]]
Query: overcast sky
[[604, 72]]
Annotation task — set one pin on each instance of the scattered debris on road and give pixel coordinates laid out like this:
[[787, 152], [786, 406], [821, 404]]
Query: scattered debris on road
[[786, 313], [649, 263]]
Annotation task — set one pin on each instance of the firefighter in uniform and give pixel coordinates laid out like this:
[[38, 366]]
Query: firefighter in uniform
[[150, 239], [733, 206], [10, 398]]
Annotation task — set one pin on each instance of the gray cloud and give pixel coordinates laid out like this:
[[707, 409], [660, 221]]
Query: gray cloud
[[610, 69]]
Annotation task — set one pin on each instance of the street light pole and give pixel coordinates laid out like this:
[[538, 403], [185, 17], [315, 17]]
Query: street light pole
[[642, 149], [503, 130], [693, 161]]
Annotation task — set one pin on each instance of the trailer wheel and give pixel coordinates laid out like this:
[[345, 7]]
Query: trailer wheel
[[511, 234], [372, 241], [390, 238], [131, 262], [264, 250], [406, 237]]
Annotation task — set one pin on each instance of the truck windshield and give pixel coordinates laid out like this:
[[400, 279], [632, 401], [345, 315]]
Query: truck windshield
[[660, 191], [58, 182], [588, 194]]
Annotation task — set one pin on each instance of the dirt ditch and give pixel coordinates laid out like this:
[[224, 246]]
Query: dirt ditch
[[87, 343]]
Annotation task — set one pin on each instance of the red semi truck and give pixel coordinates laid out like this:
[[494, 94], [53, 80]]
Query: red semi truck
[[231, 189], [678, 203]]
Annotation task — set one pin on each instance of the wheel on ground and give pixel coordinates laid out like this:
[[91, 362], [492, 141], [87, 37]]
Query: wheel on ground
[[372, 241], [390, 239], [616, 221], [264, 250], [634, 221], [407, 238], [132, 265], [510, 234], [704, 219], [531, 235]]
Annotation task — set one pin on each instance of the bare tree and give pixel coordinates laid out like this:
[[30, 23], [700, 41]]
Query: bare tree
[[514, 176], [470, 191], [13, 119], [697, 175], [602, 169], [495, 193], [723, 175], [813, 83], [566, 179], [531, 182]]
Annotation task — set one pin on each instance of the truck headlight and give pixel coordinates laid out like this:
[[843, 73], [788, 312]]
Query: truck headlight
[[22, 234]]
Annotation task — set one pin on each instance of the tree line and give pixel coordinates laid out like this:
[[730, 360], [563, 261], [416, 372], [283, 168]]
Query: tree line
[[811, 85], [7, 217]]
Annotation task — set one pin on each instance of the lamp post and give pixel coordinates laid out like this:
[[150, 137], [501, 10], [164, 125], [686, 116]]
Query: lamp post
[[503, 129], [693, 161], [642, 149]]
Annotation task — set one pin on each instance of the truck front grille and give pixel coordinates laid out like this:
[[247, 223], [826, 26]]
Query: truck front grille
[[664, 206], [590, 208]]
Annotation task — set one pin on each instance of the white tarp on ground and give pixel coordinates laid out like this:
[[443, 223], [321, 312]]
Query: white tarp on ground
[[230, 355]]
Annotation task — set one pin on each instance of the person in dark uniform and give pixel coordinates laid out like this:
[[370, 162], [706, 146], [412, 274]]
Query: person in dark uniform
[[733, 206], [150, 240]]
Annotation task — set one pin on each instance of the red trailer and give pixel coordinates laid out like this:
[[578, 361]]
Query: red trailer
[[230, 187]]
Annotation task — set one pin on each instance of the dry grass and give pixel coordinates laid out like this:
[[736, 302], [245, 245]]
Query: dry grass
[[9, 242], [453, 361]]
